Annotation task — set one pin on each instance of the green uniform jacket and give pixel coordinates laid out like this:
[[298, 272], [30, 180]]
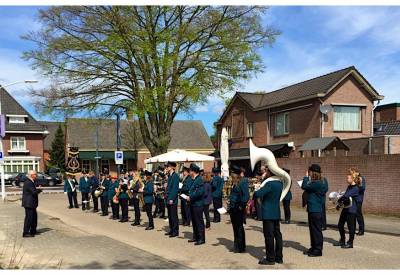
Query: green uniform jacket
[[106, 184], [67, 186], [196, 192], [111, 190], [148, 192], [270, 195], [122, 194], [173, 188], [187, 183], [239, 194], [84, 185], [217, 184], [315, 194]]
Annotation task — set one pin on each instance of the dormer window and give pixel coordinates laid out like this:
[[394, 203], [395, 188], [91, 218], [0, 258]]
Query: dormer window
[[16, 119]]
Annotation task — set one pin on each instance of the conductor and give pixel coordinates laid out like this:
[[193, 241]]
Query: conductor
[[30, 202]]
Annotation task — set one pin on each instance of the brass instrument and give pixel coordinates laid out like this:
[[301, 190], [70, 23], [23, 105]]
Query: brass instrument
[[339, 201], [99, 191], [116, 196]]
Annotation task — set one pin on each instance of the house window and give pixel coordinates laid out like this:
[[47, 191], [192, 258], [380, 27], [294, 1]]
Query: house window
[[20, 166], [16, 119], [86, 165], [105, 165], [347, 118], [282, 124], [18, 143], [250, 129], [229, 130]]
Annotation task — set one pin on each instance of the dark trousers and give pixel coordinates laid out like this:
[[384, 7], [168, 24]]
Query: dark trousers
[[199, 233], [239, 237], [104, 205], [160, 207], [323, 216], [173, 219], [286, 209], [350, 219], [95, 202], [217, 203], [360, 217], [124, 209], [114, 209], [85, 197], [148, 207], [258, 206], [316, 237], [30, 222], [136, 208], [206, 210], [273, 240], [72, 199], [185, 212]]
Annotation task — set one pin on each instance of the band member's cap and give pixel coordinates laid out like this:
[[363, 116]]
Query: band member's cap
[[194, 168], [216, 170], [315, 168], [171, 164], [236, 169], [84, 171], [148, 173], [187, 169]]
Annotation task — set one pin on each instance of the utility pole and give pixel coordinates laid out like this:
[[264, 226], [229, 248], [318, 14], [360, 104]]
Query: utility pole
[[118, 142], [97, 151]]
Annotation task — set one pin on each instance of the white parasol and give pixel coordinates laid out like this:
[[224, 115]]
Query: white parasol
[[224, 151]]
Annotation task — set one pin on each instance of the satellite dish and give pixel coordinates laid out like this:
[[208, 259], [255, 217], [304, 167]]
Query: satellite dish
[[325, 109]]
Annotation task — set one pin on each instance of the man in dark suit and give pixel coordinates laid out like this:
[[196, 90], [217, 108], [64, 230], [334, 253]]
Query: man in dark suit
[[30, 202], [172, 200], [94, 183], [217, 185]]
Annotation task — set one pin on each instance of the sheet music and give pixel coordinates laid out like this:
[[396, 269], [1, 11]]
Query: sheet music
[[184, 196], [221, 210], [300, 182]]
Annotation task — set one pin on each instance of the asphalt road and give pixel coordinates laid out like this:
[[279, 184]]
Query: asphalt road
[[84, 233]]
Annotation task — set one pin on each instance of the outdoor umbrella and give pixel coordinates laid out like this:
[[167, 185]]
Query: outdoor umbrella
[[224, 151]]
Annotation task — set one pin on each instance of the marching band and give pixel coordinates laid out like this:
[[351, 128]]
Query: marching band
[[197, 189]]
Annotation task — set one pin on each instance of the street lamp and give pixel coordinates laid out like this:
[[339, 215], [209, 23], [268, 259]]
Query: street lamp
[[3, 184]]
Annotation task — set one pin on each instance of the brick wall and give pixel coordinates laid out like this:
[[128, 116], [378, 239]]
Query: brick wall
[[388, 114], [381, 171]]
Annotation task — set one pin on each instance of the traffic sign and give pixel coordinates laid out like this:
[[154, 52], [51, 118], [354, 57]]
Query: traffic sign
[[119, 157], [1, 157]]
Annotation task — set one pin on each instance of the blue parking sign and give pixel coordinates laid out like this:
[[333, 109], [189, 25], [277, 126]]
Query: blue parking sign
[[119, 157]]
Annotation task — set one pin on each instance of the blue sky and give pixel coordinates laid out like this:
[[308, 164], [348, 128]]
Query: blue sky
[[314, 41]]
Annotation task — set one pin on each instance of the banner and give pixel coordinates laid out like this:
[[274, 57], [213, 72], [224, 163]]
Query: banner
[[73, 166]]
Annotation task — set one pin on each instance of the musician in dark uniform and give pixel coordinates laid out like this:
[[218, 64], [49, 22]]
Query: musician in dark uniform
[[94, 183], [217, 185], [359, 202], [314, 185], [196, 200], [172, 200], [70, 190], [286, 203], [134, 188], [123, 200], [111, 193], [84, 188], [270, 194], [185, 208], [148, 198], [30, 201], [348, 214], [238, 199], [159, 196], [324, 191], [104, 196]]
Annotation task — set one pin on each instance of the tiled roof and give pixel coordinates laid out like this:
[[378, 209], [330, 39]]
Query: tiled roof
[[9, 106], [387, 128]]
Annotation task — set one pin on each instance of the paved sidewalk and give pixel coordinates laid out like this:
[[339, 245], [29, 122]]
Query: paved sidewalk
[[370, 251]]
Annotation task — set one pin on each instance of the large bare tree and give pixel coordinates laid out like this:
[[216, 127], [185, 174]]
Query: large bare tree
[[154, 61]]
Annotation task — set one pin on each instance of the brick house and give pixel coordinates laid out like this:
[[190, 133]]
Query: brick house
[[23, 142], [288, 117]]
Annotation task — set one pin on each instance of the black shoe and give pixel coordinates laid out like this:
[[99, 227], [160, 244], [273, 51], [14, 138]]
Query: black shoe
[[200, 243], [162, 217], [123, 220], [307, 251], [339, 243], [265, 262], [149, 228], [83, 209], [27, 236], [135, 223], [323, 228], [76, 206], [192, 241], [173, 235], [348, 245], [360, 233], [313, 254], [280, 261], [168, 233], [103, 215], [70, 207]]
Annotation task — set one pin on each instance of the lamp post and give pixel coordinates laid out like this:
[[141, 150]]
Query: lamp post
[[3, 184]]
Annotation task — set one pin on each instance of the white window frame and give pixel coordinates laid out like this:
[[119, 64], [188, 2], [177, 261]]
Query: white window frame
[[19, 140], [335, 111], [16, 120], [89, 166], [250, 129], [286, 124], [21, 166]]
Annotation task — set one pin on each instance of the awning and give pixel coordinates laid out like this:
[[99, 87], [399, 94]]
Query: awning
[[325, 143], [128, 155], [179, 155]]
